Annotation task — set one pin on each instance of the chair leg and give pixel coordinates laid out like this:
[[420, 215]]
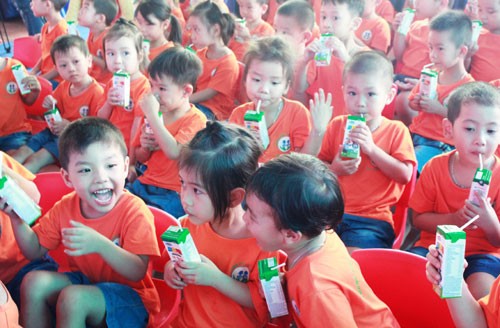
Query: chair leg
[[4, 36]]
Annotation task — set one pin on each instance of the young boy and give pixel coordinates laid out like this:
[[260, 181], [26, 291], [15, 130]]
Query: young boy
[[450, 33], [374, 31], [253, 26], [55, 27], [77, 96], [97, 15], [173, 122], [374, 181], [442, 191], [411, 51], [108, 235], [324, 284], [341, 18]]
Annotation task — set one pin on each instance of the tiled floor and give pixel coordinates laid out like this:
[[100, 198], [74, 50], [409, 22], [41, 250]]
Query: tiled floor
[[15, 28]]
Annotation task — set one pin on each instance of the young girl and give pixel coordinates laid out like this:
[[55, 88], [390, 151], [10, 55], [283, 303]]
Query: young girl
[[222, 290], [123, 52], [211, 31], [268, 72], [157, 25]]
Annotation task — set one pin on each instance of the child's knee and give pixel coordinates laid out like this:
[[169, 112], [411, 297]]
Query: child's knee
[[69, 300], [35, 284]]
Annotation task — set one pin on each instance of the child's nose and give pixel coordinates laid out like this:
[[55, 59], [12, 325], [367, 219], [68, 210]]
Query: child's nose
[[100, 176]]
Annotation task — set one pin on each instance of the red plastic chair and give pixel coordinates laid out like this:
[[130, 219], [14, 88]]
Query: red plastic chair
[[400, 215], [389, 109], [398, 279], [35, 111], [27, 50]]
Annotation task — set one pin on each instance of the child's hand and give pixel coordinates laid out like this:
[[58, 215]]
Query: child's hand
[[312, 49], [81, 240], [415, 103], [398, 18], [204, 273], [363, 137], [148, 141], [487, 216], [344, 167], [32, 83], [339, 49], [114, 97], [321, 111], [408, 84], [132, 174], [49, 102], [171, 276], [58, 127], [433, 267], [150, 106], [7, 210], [242, 32], [431, 106]]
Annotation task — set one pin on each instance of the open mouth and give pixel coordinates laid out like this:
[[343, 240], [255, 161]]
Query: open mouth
[[103, 196]]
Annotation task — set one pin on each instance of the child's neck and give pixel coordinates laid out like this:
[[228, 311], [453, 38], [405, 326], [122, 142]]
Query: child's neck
[[304, 248], [374, 123], [97, 29], [158, 43], [77, 88], [452, 74], [170, 116], [53, 19], [232, 225], [217, 50], [136, 75], [370, 15]]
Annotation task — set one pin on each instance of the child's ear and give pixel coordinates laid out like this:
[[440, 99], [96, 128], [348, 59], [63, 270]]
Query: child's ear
[[464, 50], [188, 90], [307, 36], [291, 237], [66, 179], [237, 197], [264, 7], [391, 94], [355, 23], [447, 129], [127, 163], [100, 18]]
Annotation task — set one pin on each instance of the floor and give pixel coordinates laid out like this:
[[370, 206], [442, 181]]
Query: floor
[[15, 28]]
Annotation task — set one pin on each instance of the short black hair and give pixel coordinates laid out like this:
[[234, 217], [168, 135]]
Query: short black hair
[[300, 10], [108, 8], [356, 7], [67, 41], [181, 65], [58, 4], [210, 13], [480, 93], [80, 134], [457, 23], [302, 191], [370, 62]]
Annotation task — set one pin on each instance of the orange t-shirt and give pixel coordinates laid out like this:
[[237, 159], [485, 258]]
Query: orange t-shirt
[[375, 33], [13, 118], [48, 37], [416, 53], [437, 193], [129, 225], [204, 306], [162, 171], [123, 117], [82, 105], [96, 48], [239, 48], [369, 192], [431, 125], [327, 289], [491, 304], [221, 75], [385, 9], [484, 65], [272, 8], [154, 52], [288, 133], [11, 257]]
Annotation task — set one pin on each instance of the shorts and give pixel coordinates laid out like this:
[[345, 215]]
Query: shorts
[[124, 307], [425, 149], [14, 141], [207, 111], [45, 139], [164, 199], [357, 231]]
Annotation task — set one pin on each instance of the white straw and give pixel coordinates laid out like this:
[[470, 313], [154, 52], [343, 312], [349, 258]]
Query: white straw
[[277, 266], [180, 219], [469, 222], [257, 109], [53, 104], [480, 161]]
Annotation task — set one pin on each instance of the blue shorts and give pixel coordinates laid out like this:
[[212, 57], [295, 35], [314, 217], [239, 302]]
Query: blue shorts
[[14, 141], [45, 139], [425, 149], [357, 231], [207, 111], [124, 307], [165, 199]]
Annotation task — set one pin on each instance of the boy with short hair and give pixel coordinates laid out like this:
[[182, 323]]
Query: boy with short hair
[[173, 122], [374, 31], [324, 284], [97, 15], [374, 181], [442, 191], [449, 36], [77, 96], [108, 235], [55, 27], [341, 18]]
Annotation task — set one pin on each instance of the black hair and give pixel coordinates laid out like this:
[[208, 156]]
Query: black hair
[[108, 8], [300, 10], [58, 4], [67, 41], [457, 23], [160, 10], [124, 28], [180, 64], [210, 14], [370, 62], [355, 7], [480, 93]]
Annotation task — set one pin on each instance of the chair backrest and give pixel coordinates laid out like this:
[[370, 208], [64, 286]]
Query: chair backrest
[[163, 220], [398, 279], [389, 109], [400, 215], [36, 109], [52, 188], [27, 50], [241, 92]]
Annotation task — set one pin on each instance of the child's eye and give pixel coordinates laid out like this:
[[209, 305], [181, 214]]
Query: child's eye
[[163, 89], [491, 131], [197, 191], [468, 129], [84, 170], [371, 94], [336, 18], [126, 53], [275, 83], [182, 182], [255, 79], [351, 93], [110, 166]]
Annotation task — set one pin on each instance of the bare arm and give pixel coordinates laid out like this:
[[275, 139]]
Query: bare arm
[[429, 221], [27, 240]]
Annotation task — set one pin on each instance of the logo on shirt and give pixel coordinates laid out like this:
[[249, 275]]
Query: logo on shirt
[[284, 144], [212, 74], [241, 273], [130, 106], [295, 308], [366, 35], [84, 111], [11, 88]]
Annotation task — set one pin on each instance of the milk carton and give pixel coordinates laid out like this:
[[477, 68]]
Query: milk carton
[[271, 285], [428, 83], [409, 15], [477, 25], [180, 245], [480, 184], [19, 74], [350, 149], [121, 81], [52, 116], [324, 55], [20, 202], [147, 126], [146, 46], [72, 29], [255, 122], [450, 243]]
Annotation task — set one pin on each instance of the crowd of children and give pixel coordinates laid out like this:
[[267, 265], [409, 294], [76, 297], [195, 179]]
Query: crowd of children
[[203, 113]]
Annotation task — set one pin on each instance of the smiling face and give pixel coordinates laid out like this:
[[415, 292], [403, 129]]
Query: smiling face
[[98, 176], [73, 65], [266, 81], [194, 197], [251, 10]]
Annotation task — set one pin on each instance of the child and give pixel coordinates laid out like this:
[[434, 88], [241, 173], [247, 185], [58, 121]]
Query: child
[[108, 235], [77, 96], [374, 31], [173, 77], [158, 26], [374, 181], [123, 51], [412, 52], [450, 33], [442, 190], [55, 27], [341, 18], [211, 31], [252, 27], [222, 289], [268, 72], [14, 130], [325, 285], [97, 15]]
